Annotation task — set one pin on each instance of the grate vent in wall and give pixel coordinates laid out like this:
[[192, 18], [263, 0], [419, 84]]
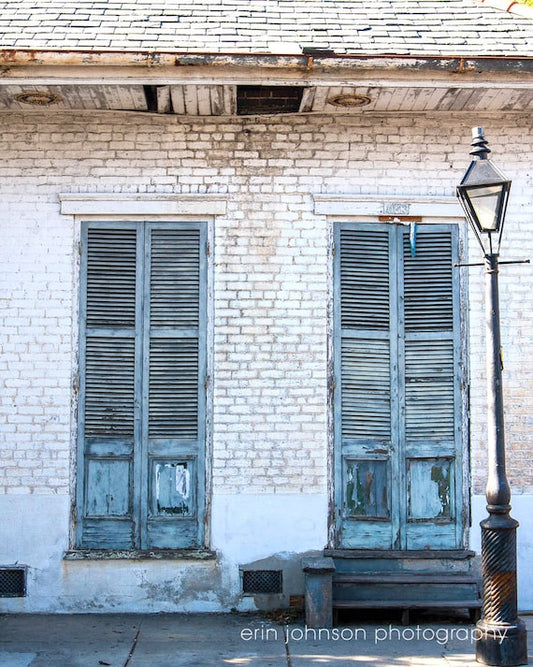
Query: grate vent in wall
[[268, 99], [12, 582], [262, 581]]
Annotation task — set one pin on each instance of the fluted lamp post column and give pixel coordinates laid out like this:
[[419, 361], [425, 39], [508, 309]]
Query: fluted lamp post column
[[501, 637]]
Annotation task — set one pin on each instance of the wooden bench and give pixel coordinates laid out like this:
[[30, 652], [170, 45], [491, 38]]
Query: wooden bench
[[406, 591]]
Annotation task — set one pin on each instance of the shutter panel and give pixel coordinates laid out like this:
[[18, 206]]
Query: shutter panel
[[432, 403], [108, 387], [429, 392], [174, 311], [176, 370], [428, 283], [365, 400], [366, 389], [429, 338], [365, 347], [174, 278], [173, 390], [111, 277], [365, 279]]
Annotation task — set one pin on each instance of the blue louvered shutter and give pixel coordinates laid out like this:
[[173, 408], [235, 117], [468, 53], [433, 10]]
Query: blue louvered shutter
[[397, 395], [142, 389], [366, 399], [175, 374], [433, 445], [109, 419]]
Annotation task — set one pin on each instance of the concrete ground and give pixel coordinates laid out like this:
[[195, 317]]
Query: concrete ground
[[206, 640]]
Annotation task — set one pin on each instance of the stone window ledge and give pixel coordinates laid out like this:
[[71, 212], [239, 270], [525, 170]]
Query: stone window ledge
[[136, 554]]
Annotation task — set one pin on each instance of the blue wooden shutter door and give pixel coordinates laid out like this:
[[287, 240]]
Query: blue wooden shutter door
[[397, 429], [174, 388], [433, 443], [366, 397], [109, 419], [142, 395]]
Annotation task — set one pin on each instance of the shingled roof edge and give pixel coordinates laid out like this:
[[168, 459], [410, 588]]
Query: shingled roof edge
[[13, 57]]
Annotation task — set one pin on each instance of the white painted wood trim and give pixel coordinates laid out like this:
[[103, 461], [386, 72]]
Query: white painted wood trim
[[376, 205], [102, 204]]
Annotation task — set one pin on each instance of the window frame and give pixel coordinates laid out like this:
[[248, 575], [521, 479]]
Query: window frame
[[395, 209], [139, 207]]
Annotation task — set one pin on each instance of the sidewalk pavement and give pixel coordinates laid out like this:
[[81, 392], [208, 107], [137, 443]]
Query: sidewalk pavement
[[210, 640]]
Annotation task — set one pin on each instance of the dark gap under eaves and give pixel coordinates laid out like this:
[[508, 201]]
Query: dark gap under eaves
[[150, 92]]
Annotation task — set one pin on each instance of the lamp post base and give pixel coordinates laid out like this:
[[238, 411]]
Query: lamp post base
[[501, 644], [501, 637]]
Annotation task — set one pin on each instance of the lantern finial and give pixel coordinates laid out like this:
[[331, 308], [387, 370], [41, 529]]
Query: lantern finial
[[480, 147]]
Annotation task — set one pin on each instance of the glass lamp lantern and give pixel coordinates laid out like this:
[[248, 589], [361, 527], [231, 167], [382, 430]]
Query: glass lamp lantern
[[483, 194]]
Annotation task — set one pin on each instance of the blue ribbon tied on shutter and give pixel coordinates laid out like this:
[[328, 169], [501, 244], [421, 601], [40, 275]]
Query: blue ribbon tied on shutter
[[412, 238]]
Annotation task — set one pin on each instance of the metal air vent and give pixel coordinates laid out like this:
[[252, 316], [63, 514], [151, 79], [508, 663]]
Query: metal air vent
[[268, 99], [12, 582], [349, 100], [262, 581], [38, 98]]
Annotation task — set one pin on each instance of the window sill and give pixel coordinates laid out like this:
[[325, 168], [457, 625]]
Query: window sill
[[137, 554]]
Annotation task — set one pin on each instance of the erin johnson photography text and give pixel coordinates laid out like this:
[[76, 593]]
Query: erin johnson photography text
[[377, 635]]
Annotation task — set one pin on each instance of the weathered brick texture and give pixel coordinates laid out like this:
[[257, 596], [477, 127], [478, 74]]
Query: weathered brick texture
[[271, 271]]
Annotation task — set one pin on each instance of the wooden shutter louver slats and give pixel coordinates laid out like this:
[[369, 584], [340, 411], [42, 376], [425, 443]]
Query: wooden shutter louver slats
[[430, 391], [109, 387], [173, 388], [174, 307], [429, 364], [428, 283], [111, 277], [366, 389], [365, 362], [364, 279], [110, 359], [174, 283]]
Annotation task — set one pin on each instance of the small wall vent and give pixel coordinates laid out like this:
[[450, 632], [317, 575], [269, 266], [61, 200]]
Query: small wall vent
[[12, 582], [268, 99], [262, 581]]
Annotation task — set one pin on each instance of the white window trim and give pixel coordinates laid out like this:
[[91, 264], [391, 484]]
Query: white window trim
[[151, 205], [435, 209]]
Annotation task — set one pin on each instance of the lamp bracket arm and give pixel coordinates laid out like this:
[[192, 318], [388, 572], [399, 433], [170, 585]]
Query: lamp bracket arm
[[515, 261]]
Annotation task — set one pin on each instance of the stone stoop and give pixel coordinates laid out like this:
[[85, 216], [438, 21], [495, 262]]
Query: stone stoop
[[361, 579]]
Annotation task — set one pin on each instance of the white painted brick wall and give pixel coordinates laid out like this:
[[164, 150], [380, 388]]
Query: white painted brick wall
[[271, 267]]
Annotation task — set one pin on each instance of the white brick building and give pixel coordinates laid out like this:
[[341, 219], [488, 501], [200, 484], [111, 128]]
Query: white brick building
[[138, 134]]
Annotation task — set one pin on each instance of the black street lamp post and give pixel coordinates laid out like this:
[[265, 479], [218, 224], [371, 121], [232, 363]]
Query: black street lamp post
[[501, 635]]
